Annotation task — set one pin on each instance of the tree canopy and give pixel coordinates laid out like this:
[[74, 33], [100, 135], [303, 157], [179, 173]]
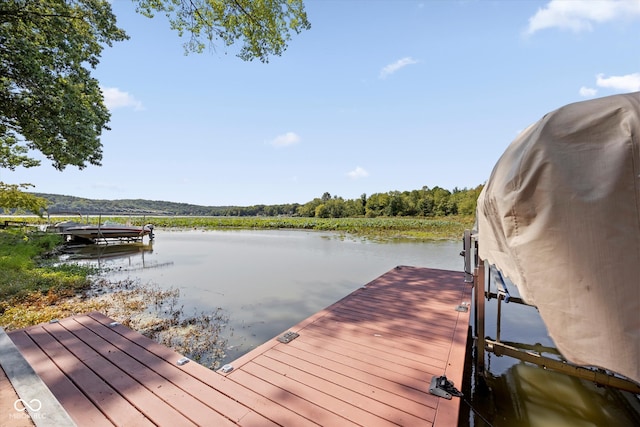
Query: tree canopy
[[13, 199], [424, 202], [49, 101]]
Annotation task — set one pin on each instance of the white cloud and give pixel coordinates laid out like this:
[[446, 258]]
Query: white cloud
[[357, 173], [399, 64], [115, 98], [588, 92], [580, 15], [627, 83], [284, 140]]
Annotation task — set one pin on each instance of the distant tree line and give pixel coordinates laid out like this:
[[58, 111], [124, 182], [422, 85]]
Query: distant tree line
[[425, 202]]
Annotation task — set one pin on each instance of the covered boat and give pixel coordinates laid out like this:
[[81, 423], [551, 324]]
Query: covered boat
[[560, 216]]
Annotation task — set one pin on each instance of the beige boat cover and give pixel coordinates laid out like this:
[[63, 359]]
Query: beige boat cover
[[560, 216]]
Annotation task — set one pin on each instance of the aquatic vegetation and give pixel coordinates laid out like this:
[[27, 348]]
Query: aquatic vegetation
[[154, 312], [450, 227]]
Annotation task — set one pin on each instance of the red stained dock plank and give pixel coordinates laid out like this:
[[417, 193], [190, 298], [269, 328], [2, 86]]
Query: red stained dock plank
[[375, 351], [366, 360]]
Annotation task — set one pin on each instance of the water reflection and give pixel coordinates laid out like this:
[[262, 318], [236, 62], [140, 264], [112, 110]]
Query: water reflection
[[127, 256], [103, 252], [529, 396], [516, 393]]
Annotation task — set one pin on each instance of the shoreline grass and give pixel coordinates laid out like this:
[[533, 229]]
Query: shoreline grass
[[27, 270]]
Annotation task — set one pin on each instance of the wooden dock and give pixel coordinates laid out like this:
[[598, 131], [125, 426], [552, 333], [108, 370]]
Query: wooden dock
[[366, 360]]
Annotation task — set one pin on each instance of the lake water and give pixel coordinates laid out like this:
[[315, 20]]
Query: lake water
[[267, 281]]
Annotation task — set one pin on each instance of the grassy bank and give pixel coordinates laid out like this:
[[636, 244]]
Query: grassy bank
[[30, 283], [381, 228], [26, 268]]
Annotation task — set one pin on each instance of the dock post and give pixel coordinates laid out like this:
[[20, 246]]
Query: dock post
[[479, 295]]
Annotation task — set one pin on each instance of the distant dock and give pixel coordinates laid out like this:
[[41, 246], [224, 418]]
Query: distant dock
[[366, 360]]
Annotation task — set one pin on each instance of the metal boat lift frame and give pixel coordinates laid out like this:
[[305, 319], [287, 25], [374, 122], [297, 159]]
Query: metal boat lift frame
[[101, 238], [483, 344]]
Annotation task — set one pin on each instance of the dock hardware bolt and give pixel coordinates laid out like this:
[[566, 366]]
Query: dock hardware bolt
[[287, 337], [226, 369], [442, 387]]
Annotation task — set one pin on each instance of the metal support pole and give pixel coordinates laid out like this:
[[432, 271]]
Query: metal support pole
[[468, 275], [476, 304], [499, 316], [479, 288]]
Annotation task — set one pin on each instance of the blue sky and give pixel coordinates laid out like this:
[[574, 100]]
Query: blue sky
[[377, 96]]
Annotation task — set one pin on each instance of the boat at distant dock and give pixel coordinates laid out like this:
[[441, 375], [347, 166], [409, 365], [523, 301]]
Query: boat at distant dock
[[108, 230]]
